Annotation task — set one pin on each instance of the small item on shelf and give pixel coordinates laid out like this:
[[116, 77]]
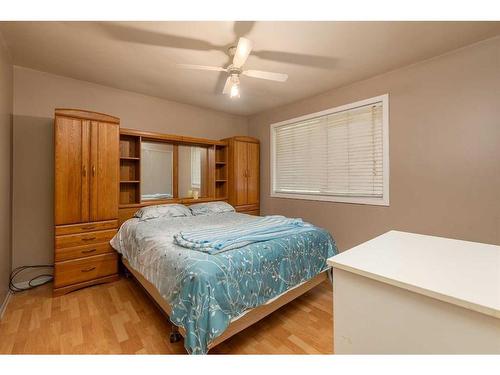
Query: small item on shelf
[[196, 194]]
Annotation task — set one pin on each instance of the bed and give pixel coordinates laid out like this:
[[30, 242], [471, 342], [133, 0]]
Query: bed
[[212, 297]]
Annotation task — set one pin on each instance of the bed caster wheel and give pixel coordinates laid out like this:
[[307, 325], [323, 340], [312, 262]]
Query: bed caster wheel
[[175, 337]]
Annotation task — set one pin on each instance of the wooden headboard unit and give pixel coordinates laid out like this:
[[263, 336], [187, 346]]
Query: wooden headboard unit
[[130, 159]]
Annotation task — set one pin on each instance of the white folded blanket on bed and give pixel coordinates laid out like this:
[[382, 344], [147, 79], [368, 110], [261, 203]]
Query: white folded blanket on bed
[[216, 240]]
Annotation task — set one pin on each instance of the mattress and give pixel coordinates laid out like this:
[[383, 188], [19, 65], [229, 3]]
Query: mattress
[[206, 291]]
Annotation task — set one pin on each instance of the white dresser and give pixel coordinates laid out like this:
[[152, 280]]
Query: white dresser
[[405, 293]]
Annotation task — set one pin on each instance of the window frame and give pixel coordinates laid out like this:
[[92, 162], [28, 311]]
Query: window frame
[[379, 201]]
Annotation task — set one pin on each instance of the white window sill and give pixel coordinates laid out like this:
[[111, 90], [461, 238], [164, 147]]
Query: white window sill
[[384, 201]]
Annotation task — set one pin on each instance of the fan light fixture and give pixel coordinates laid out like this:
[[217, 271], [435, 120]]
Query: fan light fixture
[[235, 87], [235, 91], [239, 53]]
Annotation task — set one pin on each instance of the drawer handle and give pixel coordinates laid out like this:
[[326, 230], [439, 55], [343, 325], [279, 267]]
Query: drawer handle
[[88, 269], [89, 227], [88, 239], [88, 251]]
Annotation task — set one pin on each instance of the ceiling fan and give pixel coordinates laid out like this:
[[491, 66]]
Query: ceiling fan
[[239, 53]]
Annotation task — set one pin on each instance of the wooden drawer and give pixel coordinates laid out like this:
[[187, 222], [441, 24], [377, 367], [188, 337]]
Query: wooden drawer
[[84, 269], [86, 227], [248, 207], [253, 212], [72, 240], [82, 251]]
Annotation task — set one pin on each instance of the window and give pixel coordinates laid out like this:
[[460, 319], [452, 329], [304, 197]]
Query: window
[[340, 155], [196, 167]]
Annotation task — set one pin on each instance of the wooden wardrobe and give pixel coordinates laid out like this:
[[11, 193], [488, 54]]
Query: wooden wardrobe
[[243, 174], [86, 198]]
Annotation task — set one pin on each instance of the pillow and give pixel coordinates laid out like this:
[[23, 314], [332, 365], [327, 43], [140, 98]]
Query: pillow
[[163, 210], [211, 208]]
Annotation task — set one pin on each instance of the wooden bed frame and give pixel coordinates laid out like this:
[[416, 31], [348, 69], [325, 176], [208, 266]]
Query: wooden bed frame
[[245, 320]]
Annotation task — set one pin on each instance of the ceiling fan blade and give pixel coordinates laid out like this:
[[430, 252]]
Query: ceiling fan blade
[[243, 28], [280, 77], [242, 51], [202, 67], [227, 86], [325, 62], [124, 31]]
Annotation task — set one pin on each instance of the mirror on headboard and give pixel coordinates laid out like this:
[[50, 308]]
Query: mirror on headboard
[[193, 171], [157, 166]]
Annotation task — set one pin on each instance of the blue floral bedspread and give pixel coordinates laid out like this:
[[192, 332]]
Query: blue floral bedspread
[[207, 291]]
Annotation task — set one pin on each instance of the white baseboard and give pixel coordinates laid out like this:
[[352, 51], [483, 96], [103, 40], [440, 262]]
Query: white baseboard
[[4, 304]]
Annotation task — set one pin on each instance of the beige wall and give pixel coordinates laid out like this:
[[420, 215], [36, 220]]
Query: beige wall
[[6, 93], [444, 151], [36, 94]]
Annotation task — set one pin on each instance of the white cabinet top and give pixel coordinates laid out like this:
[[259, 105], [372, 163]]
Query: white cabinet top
[[459, 272]]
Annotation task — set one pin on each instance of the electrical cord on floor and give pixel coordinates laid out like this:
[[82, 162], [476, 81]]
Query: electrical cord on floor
[[15, 272]]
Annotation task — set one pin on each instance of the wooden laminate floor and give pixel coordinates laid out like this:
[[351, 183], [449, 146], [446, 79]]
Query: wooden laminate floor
[[119, 318]]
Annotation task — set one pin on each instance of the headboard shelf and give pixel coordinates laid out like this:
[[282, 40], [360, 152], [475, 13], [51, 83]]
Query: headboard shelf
[[130, 169], [129, 158], [223, 174], [171, 138]]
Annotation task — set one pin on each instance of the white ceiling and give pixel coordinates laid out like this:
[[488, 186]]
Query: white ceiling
[[317, 56]]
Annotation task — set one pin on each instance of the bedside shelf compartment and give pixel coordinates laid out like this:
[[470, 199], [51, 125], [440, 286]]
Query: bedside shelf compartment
[[130, 169], [221, 172], [130, 146], [130, 193]]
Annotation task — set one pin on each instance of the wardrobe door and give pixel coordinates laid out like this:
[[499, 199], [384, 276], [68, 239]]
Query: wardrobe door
[[105, 143], [71, 143], [240, 172], [252, 173]]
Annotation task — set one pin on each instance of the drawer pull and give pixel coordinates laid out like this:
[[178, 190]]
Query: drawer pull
[[88, 269], [88, 239], [88, 251], [89, 227]]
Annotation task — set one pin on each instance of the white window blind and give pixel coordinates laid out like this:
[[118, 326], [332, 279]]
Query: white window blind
[[338, 155], [195, 167]]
